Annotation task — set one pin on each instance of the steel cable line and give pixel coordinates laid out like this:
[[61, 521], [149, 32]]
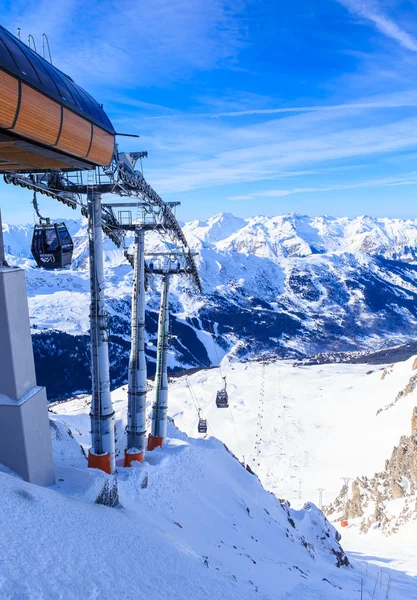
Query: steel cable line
[[260, 415], [197, 406], [237, 437], [224, 379]]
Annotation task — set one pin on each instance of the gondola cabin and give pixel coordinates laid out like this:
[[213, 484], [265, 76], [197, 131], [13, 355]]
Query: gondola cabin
[[222, 399], [52, 246], [202, 425], [47, 121]]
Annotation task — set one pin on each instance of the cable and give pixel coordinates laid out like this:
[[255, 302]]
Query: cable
[[224, 379], [237, 437], [193, 397], [260, 414], [215, 348]]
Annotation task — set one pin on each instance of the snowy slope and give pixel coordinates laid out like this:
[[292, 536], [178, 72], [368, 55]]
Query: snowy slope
[[203, 527], [291, 285], [318, 424], [191, 523]]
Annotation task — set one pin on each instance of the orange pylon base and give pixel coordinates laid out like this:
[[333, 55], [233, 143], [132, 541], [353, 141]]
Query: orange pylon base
[[154, 441], [99, 461], [129, 458], [344, 523]]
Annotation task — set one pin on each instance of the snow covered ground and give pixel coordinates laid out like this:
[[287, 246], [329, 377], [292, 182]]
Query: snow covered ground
[[192, 523], [203, 527], [318, 423]]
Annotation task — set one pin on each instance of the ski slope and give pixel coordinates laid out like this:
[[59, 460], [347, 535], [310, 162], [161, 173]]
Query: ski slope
[[319, 422]]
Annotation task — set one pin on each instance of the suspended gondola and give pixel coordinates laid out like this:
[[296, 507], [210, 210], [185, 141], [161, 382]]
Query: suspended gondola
[[52, 245], [202, 423], [222, 398]]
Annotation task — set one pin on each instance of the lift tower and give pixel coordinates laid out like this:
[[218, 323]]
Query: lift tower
[[137, 375], [102, 452], [170, 263], [160, 406], [148, 218]]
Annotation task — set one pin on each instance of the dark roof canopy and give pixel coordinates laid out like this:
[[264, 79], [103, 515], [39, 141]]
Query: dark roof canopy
[[20, 60]]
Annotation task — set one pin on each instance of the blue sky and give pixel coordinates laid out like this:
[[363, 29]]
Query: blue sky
[[247, 106]]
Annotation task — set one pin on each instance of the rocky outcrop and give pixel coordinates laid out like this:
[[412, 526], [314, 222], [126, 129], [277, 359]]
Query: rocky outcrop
[[414, 422], [387, 371], [370, 498], [410, 387]]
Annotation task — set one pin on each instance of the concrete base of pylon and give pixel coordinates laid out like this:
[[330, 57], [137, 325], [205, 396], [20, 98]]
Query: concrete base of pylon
[[99, 461], [25, 439], [132, 456], [154, 441]]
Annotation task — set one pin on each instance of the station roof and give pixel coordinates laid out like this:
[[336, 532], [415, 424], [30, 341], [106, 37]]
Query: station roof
[[29, 66]]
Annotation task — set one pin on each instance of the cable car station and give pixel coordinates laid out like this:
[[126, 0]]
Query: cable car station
[[56, 140]]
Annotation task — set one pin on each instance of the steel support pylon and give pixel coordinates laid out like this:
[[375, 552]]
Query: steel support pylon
[[137, 379], [160, 406], [102, 453]]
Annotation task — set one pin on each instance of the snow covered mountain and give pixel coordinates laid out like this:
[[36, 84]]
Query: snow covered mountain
[[290, 285]]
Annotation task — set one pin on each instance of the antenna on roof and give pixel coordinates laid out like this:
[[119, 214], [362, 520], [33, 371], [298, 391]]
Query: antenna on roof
[[19, 29], [30, 37], [45, 39]]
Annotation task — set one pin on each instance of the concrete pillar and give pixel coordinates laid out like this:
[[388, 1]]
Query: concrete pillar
[[25, 440], [102, 452], [137, 378], [160, 406], [3, 262]]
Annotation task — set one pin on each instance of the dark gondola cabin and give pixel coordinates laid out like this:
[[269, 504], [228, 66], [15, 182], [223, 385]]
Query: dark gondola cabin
[[52, 246], [202, 425], [222, 399]]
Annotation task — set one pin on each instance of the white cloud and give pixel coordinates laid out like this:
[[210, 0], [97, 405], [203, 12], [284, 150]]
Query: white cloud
[[295, 109], [407, 179], [371, 11], [267, 151]]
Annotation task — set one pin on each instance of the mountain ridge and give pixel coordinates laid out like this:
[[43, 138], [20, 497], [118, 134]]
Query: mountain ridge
[[289, 285]]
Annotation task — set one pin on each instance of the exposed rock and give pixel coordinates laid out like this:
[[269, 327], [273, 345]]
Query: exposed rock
[[387, 371], [410, 387], [109, 495], [370, 498], [414, 422], [414, 367]]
